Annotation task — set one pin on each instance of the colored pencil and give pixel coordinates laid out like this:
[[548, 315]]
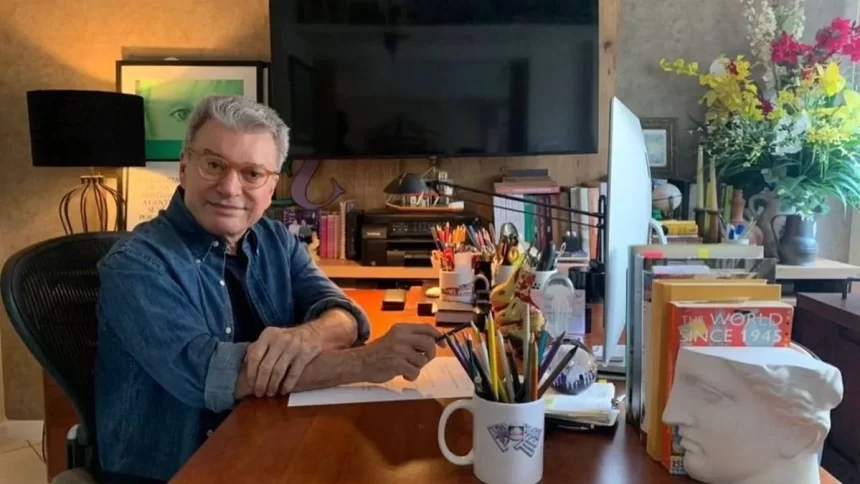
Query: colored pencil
[[534, 374], [491, 361], [556, 371], [553, 349], [512, 365], [503, 355]]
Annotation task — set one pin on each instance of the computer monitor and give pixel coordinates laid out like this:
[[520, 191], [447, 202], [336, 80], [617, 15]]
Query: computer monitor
[[628, 215]]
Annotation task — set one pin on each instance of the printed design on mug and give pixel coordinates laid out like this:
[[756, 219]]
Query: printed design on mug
[[524, 438], [461, 290]]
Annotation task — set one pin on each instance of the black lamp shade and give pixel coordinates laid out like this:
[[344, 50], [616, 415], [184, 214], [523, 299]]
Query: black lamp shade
[[70, 128], [406, 184]]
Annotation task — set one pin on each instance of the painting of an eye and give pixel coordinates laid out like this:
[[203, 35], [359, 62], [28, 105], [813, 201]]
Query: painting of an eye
[[180, 114]]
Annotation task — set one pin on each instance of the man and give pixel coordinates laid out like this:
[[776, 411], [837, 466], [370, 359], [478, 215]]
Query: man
[[210, 303]]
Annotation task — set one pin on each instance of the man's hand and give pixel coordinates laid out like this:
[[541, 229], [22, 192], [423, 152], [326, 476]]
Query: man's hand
[[403, 350], [280, 353]]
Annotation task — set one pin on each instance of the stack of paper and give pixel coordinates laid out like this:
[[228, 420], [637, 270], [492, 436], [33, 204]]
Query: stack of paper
[[594, 406], [441, 378]]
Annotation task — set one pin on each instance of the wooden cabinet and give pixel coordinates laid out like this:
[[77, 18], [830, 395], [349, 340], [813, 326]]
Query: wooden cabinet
[[830, 327]]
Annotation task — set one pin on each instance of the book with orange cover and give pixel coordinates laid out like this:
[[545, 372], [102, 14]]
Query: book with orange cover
[[662, 293], [739, 324]]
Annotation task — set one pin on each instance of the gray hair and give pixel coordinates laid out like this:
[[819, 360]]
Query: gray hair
[[241, 114]]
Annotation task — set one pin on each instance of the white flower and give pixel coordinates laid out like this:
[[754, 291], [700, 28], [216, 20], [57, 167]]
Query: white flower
[[789, 134]]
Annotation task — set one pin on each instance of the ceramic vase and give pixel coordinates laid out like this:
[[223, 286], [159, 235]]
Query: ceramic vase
[[797, 245]]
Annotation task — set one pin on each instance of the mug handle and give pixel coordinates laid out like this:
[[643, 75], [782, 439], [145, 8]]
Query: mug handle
[[460, 460]]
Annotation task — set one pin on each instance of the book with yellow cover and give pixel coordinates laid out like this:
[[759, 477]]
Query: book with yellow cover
[[664, 292]]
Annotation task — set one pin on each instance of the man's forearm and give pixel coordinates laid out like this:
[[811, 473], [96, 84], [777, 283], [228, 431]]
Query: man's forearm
[[337, 329], [334, 368], [326, 370]]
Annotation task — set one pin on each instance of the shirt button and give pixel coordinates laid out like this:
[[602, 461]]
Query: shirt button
[[229, 330], [221, 282], [209, 433], [197, 261], [215, 244]]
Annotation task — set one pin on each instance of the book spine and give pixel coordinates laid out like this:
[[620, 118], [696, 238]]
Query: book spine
[[332, 236], [324, 237]]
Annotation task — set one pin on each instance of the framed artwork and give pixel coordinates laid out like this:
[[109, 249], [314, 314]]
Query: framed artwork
[[302, 96], [171, 90], [661, 142]]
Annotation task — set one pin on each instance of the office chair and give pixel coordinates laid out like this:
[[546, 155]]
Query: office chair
[[50, 291]]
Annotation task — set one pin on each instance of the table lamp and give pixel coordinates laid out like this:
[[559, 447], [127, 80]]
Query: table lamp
[[77, 128]]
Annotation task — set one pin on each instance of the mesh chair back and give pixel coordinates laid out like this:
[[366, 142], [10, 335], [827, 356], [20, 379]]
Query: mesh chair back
[[50, 291]]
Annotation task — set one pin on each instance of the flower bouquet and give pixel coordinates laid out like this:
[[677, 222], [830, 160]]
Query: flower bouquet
[[785, 120]]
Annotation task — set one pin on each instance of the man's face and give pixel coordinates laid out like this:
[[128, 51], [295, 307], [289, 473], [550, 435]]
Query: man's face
[[227, 206], [726, 432]]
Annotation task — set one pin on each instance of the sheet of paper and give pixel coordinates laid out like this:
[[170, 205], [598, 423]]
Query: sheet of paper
[[441, 378]]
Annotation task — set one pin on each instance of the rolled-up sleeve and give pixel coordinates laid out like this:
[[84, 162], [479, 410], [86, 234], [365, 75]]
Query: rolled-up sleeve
[[314, 293], [154, 320]]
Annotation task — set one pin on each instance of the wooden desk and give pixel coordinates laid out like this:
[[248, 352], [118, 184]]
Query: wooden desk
[[266, 441], [347, 269]]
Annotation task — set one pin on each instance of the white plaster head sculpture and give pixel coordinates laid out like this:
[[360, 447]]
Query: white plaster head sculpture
[[751, 415]]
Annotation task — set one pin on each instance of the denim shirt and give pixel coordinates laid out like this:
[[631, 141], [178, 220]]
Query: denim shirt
[[167, 365]]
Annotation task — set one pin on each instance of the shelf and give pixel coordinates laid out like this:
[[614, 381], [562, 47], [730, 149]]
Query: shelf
[[347, 269]]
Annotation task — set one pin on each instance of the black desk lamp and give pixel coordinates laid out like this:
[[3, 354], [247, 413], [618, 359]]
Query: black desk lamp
[[70, 128]]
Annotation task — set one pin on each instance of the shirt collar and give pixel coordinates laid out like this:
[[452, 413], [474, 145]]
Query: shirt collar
[[195, 235]]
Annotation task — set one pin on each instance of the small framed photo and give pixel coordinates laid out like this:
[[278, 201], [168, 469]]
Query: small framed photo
[[661, 143], [171, 90]]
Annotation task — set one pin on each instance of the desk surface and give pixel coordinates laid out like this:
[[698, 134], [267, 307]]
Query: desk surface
[[264, 440]]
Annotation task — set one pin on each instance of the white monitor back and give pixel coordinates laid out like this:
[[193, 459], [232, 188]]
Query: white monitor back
[[628, 214]]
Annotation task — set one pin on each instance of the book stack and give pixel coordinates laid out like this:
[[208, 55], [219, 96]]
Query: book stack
[[324, 232], [693, 295], [534, 222]]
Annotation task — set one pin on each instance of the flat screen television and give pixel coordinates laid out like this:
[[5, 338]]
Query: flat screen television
[[401, 78]]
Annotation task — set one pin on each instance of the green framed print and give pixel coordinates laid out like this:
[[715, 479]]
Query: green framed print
[[171, 90]]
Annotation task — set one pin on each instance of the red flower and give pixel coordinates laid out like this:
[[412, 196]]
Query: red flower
[[766, 106], [833, 38], [788, 51], [732, 68]]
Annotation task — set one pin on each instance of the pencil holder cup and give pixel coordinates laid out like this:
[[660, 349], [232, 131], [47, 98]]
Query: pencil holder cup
[[459, 286], [507, 440], [540, 279], [503, 273]]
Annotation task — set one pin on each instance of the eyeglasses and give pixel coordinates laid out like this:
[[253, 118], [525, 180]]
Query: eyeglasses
[[215, 168]]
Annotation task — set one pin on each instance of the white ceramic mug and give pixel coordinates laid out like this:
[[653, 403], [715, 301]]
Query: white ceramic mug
[[458, 286], [507, 440]]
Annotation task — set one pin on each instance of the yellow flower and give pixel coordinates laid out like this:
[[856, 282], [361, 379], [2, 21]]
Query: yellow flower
[[678, 66], [826, 135], [831, 79]]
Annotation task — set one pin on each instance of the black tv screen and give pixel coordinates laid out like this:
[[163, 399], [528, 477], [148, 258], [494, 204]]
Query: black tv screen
[[379, 78]]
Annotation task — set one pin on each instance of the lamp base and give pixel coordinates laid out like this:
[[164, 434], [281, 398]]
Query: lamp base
[[94, 201]]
